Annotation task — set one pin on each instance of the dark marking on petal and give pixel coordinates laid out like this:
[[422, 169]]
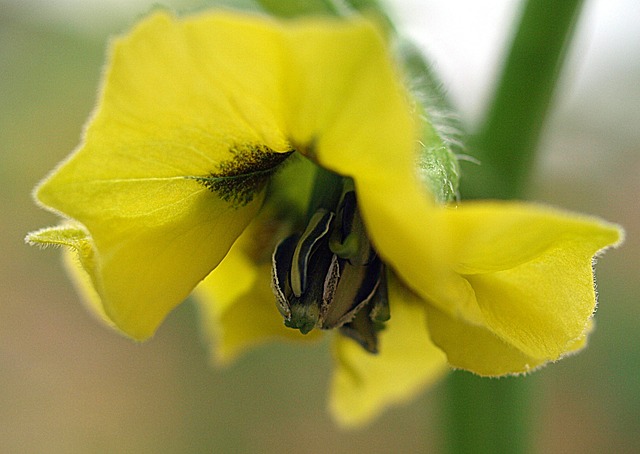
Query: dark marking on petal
[[240, 178]]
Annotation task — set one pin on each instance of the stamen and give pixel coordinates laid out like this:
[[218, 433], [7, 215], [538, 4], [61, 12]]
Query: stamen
[[280, 270], [317, 229], [330, 276]]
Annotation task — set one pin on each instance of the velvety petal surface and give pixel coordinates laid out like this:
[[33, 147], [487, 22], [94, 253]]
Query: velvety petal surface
[[477, 349], [363, 384], [366, 127]]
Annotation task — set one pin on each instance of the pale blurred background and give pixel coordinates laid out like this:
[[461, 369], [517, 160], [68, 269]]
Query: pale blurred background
[[69, 385]]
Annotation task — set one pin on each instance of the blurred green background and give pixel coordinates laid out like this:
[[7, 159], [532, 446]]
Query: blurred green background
[[69, 385]]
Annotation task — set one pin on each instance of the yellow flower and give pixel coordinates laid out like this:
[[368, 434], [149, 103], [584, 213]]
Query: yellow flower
[[200, 158]]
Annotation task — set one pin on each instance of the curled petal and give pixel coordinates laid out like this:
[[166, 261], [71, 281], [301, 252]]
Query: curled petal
[[477, 349], [531, 269], [79, 261], [516, 271]]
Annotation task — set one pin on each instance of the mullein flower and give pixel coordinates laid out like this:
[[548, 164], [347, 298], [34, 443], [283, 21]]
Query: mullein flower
[[277, 168]]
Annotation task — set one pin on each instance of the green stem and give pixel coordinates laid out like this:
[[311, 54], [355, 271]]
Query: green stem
[[488, 415], [491, 416], [506, 142]]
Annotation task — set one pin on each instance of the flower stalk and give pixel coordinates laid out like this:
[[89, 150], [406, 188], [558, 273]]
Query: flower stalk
[[507, 139]]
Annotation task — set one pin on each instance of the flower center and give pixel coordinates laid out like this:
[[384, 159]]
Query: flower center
[[329, 276]]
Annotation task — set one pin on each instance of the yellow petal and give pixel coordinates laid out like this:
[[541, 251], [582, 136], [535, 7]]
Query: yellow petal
[[84, 286], [475, 348], [531, 270], [364, 385], [495, 236], [154, 243], [365, 127], [163, 117]]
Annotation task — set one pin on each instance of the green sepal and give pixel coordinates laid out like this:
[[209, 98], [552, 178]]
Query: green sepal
[[296, 8], [438, 166], [443, 134]]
